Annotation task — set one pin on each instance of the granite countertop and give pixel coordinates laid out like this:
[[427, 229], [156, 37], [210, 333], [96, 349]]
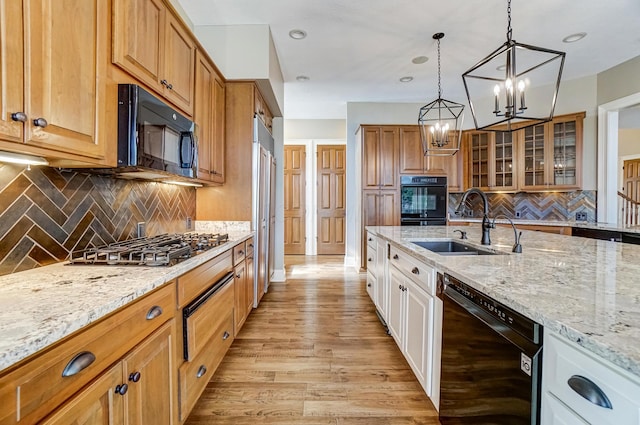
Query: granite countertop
[[39, 307], [584, 289]]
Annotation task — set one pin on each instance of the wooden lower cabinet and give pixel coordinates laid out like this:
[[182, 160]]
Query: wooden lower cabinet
[[240, 311], [98, 404], [140, 389]]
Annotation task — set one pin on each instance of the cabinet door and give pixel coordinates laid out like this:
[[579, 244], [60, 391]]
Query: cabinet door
[[150, 374], [179, 60], [218, 141], [249, 283], [565, 152], [65, 80], [138, 44], [96, 404], [396, 308], [11, 70], [554, 412], [479, 159], [503, 172], [240, 296], [412, 159], [203, 113], [388, 208], [388, 151], [534, 170], [370, 158], [419, 324], [382, 287]]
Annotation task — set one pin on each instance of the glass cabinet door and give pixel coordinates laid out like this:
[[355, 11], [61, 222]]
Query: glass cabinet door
[[503, 154], [564, 153], [480, 160], [534, 156]]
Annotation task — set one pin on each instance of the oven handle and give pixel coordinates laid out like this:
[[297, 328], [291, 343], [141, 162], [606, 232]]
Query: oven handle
[[523, 343]]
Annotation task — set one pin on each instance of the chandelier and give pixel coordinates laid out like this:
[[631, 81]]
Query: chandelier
[[440, 121], [498, 86]]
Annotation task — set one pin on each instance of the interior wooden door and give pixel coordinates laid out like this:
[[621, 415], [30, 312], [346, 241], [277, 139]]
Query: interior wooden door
[[294, 199], [331, 199], [631, 184]]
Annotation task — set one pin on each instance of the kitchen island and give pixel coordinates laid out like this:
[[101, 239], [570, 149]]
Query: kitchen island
[[584, 289]]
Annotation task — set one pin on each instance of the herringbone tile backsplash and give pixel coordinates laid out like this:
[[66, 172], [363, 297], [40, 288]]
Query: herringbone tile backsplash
[[46, 213], [549, 206]]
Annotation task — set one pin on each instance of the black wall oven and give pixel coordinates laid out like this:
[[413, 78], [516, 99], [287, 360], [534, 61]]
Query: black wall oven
[[423, 201]]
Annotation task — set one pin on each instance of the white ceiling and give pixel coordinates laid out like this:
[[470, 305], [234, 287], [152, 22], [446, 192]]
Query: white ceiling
[[357, 50]]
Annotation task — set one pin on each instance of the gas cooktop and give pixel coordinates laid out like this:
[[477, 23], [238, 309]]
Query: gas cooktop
[[161, 250]]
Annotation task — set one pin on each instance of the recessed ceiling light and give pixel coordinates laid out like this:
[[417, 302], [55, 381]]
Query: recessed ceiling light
[[302, 78], [419, 60], [501, 67], [406, 79], [574, 37], [297, 34]]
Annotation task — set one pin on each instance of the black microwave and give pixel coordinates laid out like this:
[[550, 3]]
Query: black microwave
[[153, 137]]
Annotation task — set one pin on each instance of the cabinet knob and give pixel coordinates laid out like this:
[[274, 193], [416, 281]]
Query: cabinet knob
[[240, 252], [164, 83], [415, 270], [122, 389], [400, 287], [40, 122], [134, 377], [154, 312], [238, 276], [368, 285], [369, 259], [201, 371], [19, 116], [395, 257], [78, 363], [225, 335]]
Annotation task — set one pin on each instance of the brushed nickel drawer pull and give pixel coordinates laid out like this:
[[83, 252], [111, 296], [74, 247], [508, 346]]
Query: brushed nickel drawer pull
[[588, 389], [225, 335], [154, 312], [201, 371], [415, 271], [78, 363]]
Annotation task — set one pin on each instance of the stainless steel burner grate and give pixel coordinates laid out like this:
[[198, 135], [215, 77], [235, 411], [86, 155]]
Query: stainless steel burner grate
[[161, 250]]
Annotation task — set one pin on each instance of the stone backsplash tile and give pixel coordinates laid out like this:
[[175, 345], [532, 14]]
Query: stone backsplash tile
[[46, 213], [549, 206]]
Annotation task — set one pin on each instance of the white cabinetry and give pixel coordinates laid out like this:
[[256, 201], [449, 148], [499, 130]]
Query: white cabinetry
[[410, 315], [567, 366], [382, 271], [372, 257]]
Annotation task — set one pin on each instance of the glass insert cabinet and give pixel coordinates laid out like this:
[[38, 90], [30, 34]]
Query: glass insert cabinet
[[546, 156]]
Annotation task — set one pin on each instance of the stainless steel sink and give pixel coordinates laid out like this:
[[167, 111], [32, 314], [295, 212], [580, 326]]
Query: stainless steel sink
[[453, 248]]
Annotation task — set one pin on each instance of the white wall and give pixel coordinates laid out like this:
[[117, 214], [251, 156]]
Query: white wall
[[314, 129], [628, 142], [278, 153]]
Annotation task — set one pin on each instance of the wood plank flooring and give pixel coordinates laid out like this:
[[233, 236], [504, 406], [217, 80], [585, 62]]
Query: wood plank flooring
[[314, 353]]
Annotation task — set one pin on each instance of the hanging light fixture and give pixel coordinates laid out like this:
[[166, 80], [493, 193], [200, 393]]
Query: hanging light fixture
[[441, 121], [497, 87]]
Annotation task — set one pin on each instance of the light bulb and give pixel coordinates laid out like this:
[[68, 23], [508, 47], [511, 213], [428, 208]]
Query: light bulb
[[521, 85], [496, 90]]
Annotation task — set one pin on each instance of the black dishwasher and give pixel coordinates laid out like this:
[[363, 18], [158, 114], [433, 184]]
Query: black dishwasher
[[491, 360]]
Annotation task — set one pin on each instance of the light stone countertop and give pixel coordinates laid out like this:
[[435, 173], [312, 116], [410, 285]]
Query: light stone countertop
[[39, 307], [587, 290], [582, 224]]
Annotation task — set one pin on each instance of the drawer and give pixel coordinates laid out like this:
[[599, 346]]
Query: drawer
[[195, 375], [202, 324], [554, 412], [34, 389], [371, 241], [239, 253], [371, 286], [194, 282], [421, 274], [563, 360], [250, 244]]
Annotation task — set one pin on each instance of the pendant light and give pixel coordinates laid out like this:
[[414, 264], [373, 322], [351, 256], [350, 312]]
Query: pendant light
[[502, 86], [440, 121]]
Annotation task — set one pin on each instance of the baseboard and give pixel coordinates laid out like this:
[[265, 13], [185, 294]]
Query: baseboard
[[350, 262], [278, 276]]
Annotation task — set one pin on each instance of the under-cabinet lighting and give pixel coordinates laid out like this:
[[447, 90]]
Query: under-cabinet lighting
[[18, 158], [179, 183]]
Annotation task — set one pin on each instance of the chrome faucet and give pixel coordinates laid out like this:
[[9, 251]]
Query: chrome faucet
[[486, 223]]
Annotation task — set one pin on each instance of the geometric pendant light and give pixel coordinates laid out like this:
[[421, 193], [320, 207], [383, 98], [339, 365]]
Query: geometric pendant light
[[440, 121], [501, 87]]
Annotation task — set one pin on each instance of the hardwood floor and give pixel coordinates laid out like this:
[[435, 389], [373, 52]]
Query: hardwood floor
[[314, 353]]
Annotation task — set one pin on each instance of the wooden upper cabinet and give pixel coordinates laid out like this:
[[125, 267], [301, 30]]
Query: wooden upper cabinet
[[380, 152], [151, 44], [11, 67], [209, 116], [262, 111], [491, 160], [414, 161], [63, 108]]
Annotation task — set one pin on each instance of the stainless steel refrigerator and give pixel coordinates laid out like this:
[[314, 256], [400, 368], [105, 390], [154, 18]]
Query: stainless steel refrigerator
[[263, 195]]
